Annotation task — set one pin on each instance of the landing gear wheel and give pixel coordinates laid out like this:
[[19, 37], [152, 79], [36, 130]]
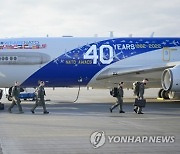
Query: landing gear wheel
[[160, 93], [164, 94]]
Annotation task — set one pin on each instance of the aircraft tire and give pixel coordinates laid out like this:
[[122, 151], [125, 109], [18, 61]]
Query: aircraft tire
[[164, 94], [160, 93]]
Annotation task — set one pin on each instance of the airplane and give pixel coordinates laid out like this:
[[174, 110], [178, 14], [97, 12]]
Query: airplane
[[97, 62]]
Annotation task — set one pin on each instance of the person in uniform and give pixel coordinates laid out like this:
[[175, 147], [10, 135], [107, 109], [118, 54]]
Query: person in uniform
[[15, 98], [36, 91], [40, 92], [119, 103], [140, 95]]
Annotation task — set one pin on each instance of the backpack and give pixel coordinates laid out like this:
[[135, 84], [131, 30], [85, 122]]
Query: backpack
[[114, 92], [136, 87]]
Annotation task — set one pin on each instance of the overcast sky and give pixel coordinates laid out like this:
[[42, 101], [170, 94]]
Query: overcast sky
[[34, 18]]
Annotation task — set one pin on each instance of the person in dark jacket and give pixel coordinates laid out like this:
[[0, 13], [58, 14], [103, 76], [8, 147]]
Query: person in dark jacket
[[15, 98], [140, 95], [120, 94], [40, 92]]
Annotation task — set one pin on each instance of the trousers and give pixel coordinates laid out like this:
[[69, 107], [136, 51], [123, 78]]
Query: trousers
[[39, 102], [15, 101], [119, 103]]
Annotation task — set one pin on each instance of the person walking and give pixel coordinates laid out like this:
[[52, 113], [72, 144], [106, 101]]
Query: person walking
[[40, 92], [120, 94], [15, 98], [140, 95]]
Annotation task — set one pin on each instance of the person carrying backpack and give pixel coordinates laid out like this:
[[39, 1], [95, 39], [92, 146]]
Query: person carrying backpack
[[15, 98], [120, 93], [136, 88], [139, 88]]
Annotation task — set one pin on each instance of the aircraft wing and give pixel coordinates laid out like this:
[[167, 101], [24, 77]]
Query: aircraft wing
[[134, 70]]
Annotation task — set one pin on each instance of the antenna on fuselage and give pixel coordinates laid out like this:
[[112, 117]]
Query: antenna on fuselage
[[130, 35], [111, 34], [152, 35], [95, 35]]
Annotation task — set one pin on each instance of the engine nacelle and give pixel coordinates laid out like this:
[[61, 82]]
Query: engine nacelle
[[171, 79]]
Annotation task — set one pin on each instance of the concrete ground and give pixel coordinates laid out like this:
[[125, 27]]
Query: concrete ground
[[68, 127]]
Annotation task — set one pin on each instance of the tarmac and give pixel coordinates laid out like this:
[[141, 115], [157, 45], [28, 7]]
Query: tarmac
[[69, 127]]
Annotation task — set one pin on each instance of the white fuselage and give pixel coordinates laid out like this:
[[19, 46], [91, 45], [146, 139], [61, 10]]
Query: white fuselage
[[68, 62]]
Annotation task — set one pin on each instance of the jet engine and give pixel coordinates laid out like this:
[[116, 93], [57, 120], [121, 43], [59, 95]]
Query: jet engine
[[171, 79]]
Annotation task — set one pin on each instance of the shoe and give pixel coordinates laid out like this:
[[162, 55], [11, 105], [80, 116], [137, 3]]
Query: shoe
[[135, 110], [121, 112], [140, 113], [46, 112], [110, 110], [32, 111]]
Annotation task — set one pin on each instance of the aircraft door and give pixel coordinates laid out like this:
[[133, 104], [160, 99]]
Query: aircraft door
[[166, 54]]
